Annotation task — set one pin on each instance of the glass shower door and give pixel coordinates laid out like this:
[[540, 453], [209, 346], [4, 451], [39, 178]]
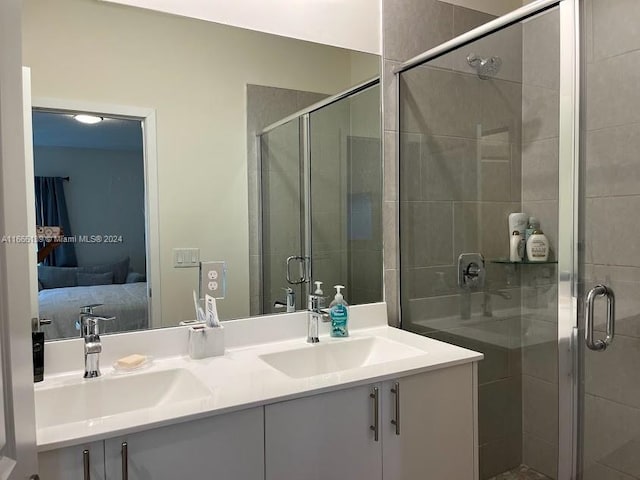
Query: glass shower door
[[282, 215], [478, 139], [609, 240]]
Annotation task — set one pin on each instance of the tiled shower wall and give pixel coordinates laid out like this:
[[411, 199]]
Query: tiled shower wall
[[612, 248], [409, 27]]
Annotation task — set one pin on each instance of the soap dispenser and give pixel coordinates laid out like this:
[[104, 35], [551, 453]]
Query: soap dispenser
[[339, 313], [37, 347], [320, 294]]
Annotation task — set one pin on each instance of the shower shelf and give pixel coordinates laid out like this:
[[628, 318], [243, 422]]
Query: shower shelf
[[506, 261]]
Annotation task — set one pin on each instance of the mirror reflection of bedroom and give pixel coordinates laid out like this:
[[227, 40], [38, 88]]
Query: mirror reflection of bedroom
[[90, 220]]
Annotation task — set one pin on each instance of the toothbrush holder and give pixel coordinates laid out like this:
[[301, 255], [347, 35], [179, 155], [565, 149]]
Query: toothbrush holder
[[205, 342]]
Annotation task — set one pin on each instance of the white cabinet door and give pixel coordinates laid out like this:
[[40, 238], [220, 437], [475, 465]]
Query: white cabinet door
[[323, 437], [223, 447], [437, 426], [69, 463]]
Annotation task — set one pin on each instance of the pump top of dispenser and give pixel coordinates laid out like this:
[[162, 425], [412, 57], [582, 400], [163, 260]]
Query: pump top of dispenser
[[318, 289]]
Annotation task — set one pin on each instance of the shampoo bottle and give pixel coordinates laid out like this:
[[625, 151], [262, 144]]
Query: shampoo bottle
[[515, 247], [339, 313], [538, 247]]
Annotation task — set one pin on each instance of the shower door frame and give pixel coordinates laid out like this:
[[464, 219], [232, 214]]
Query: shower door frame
[[570, 97]]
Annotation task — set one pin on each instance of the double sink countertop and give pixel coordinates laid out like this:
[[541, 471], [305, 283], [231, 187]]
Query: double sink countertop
[[266, 361]]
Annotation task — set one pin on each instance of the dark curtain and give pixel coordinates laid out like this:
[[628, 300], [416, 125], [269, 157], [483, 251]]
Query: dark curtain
[[51, 210]]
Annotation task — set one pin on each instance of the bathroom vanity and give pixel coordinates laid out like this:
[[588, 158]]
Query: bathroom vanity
[[383, 403]]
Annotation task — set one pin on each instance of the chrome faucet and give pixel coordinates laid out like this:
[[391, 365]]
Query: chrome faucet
[[290, 304], [88, 325], [315, 313]]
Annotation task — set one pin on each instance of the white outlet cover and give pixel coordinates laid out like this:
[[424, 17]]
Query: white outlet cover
[[213, 279]]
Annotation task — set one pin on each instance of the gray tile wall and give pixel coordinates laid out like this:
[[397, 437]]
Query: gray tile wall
[[612, 184]]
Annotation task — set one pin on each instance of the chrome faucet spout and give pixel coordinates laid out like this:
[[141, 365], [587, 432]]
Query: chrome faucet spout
[[88, 325]]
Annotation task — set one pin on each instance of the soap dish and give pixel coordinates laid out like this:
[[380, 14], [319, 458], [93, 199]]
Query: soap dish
[[117, 369]]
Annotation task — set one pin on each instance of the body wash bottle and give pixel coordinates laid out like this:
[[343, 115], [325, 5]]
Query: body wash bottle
[[339, 313], [538, 247]]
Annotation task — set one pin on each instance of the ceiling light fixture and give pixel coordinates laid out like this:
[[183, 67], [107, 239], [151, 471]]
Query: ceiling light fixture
[[88, 119]]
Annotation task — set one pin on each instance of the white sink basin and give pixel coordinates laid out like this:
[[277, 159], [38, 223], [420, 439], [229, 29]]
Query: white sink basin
[[336, 356], [110, 395]]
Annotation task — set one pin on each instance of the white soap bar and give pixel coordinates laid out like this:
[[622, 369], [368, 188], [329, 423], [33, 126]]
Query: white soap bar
[[130, 361]]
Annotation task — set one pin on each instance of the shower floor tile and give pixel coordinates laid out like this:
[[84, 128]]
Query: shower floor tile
[[521, 473]]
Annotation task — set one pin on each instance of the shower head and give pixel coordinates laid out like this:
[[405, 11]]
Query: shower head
[[486, 67]]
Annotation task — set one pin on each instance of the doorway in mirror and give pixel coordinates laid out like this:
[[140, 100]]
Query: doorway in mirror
[[90, 216]]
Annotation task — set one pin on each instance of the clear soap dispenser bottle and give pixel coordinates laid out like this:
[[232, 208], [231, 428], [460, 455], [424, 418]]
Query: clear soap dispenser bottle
[[339, 313]]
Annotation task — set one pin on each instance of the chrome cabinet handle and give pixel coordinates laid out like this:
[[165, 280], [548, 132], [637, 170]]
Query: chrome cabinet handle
[[86, 465], [396, 421], [595, 292], [125, 461], [375, 396]]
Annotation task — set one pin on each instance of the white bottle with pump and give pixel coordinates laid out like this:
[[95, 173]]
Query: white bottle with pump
[[339, 313], [320, 294], [538, 247]]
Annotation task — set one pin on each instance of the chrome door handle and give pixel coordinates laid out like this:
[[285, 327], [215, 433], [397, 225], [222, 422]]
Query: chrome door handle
[[125, 461], [396, 421], [595, 292], [86, 465], [302, 273], [375, 396]]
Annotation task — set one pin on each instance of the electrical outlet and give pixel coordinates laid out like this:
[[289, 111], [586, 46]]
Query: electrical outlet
[[213, 279]]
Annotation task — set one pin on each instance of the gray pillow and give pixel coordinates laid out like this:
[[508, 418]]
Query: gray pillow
[[57, 277], [88, 279], [119, 269], [135, 277]]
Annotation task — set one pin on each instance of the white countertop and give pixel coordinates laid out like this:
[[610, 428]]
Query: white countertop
[[241, 379]]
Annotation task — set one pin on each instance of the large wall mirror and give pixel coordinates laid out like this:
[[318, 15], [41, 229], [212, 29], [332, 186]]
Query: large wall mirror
[[212, 143]]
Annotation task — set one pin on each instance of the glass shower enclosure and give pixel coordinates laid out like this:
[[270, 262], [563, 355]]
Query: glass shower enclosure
[[534, 112], [321, 192]]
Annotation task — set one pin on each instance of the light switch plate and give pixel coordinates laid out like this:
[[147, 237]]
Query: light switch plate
[[186, 257], [213, 279]]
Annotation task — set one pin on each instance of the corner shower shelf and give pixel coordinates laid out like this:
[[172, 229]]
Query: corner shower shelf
[[506, 261]]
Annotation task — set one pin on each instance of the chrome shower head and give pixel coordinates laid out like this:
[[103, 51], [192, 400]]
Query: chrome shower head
[[486, 67]]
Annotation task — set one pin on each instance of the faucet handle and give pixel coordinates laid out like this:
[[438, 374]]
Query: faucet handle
[[89, 308], [91, 320]]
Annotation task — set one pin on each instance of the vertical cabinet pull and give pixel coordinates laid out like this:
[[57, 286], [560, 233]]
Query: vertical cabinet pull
[[595, 292], [125, 461], [86, 465], [375, 396], [396, 420]]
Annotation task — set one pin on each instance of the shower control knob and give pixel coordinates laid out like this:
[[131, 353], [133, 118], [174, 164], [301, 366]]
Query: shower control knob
[[471, 271]]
